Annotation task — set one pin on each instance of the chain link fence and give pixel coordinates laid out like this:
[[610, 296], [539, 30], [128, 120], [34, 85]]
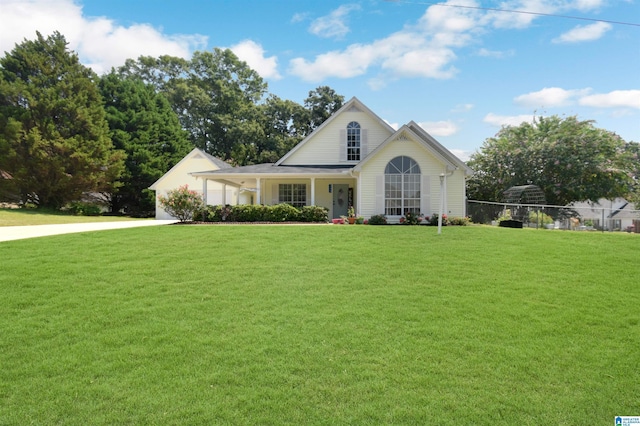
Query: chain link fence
[[617, 216]]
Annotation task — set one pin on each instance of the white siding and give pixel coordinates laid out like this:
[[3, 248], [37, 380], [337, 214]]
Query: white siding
[[180, 176], [430, 166], [325, 146]]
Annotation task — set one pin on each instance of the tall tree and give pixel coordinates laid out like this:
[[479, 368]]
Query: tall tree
[[632, 150], [282, 128], [142, 125], [214, 94], [570, 160], [55, 141], [321, 103]]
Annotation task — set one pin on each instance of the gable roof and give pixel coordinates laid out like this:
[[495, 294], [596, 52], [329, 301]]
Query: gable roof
[[195, 153], [350, 104], [414, 131]]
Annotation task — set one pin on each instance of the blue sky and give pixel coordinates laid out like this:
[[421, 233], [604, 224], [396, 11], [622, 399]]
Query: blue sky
[[461, 72]]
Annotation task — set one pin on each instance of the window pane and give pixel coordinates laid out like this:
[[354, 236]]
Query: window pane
[[402, 186]]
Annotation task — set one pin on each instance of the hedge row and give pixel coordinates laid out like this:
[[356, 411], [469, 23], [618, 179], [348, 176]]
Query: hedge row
[[259, 213]]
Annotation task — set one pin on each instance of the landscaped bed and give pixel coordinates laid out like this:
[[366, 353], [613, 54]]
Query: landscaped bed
[[319, 325]]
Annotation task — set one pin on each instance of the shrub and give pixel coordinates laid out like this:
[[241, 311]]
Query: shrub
[[459, 221], [314, 214], [182, 203], [81, 208], [411, 219], [283, 213], [378, 219], [433, 220], [540, 217]]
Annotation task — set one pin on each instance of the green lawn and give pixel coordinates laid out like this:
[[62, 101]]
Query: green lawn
[[22, 217], [320, 325]]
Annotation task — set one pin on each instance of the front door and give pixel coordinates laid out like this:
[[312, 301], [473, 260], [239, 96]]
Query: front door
[[340, 200]]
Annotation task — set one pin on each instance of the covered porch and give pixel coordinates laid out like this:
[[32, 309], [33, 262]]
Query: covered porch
[[335, 188]]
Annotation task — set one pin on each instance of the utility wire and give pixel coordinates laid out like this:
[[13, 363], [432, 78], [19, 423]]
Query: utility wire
[[524, 12]]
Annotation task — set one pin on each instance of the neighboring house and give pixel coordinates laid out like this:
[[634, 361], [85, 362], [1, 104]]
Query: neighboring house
[[610, 215], [181, 174], [353, 159]]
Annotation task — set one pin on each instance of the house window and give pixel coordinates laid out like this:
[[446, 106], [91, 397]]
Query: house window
[[353, 141], [402, 187], [293, 193]]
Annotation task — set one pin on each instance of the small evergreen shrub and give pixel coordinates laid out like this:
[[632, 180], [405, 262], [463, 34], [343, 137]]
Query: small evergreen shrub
[[540, 217], [283, 213], [81, 208], [378, 219], [182, 203], [314, 214], [459, 221]]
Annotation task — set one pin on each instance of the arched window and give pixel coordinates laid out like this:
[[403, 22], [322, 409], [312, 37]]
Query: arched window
[[401, 187], [353, 141]]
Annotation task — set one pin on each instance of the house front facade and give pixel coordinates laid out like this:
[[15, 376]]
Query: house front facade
[[354, 159]]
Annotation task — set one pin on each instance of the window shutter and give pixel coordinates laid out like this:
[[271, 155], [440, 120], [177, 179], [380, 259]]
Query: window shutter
[[364, 144], [343, 145], [425, 196], [275, 194], [379, 194]]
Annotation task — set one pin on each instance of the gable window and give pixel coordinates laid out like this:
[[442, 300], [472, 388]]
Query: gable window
[[293, 193], [353, 141], [402, 187]]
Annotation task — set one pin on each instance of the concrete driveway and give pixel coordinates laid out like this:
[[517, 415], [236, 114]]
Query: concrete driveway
[[8, 233]]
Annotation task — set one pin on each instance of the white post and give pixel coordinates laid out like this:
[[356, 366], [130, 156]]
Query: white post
[[258, 195], [313, 191], [224, 194], [204, 190], [441, 203]]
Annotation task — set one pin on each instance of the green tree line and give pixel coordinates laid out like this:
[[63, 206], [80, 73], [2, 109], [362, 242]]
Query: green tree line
[[66, 132], [569, 159]]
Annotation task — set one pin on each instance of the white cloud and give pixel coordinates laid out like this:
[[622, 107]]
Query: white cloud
[[253, 54], [507, 120], [520, 20], [495, 53], [439, 128], [586, 5], [550, 97], [584, 33], [462, 108], [524, 12], [352, 62], [334, 24], [299, 17], [615, 99], [461, 154], [423, 50], [99, 42], [422, 63], [441, 19], [394, 126]]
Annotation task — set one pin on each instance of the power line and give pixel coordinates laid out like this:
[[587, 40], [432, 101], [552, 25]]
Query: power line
[[524, 12]]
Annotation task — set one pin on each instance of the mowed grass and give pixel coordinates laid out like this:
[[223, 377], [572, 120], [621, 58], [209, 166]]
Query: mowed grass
[[24, 217], [320, 325]]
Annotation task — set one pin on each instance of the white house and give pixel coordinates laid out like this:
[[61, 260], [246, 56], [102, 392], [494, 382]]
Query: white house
[[610, 215], [353, 159], [181, 174]]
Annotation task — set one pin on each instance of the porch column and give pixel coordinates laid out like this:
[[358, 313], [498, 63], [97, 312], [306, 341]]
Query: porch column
[[358, 196], [258, 192], [224, 194], [313, 191], [204, 190]]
